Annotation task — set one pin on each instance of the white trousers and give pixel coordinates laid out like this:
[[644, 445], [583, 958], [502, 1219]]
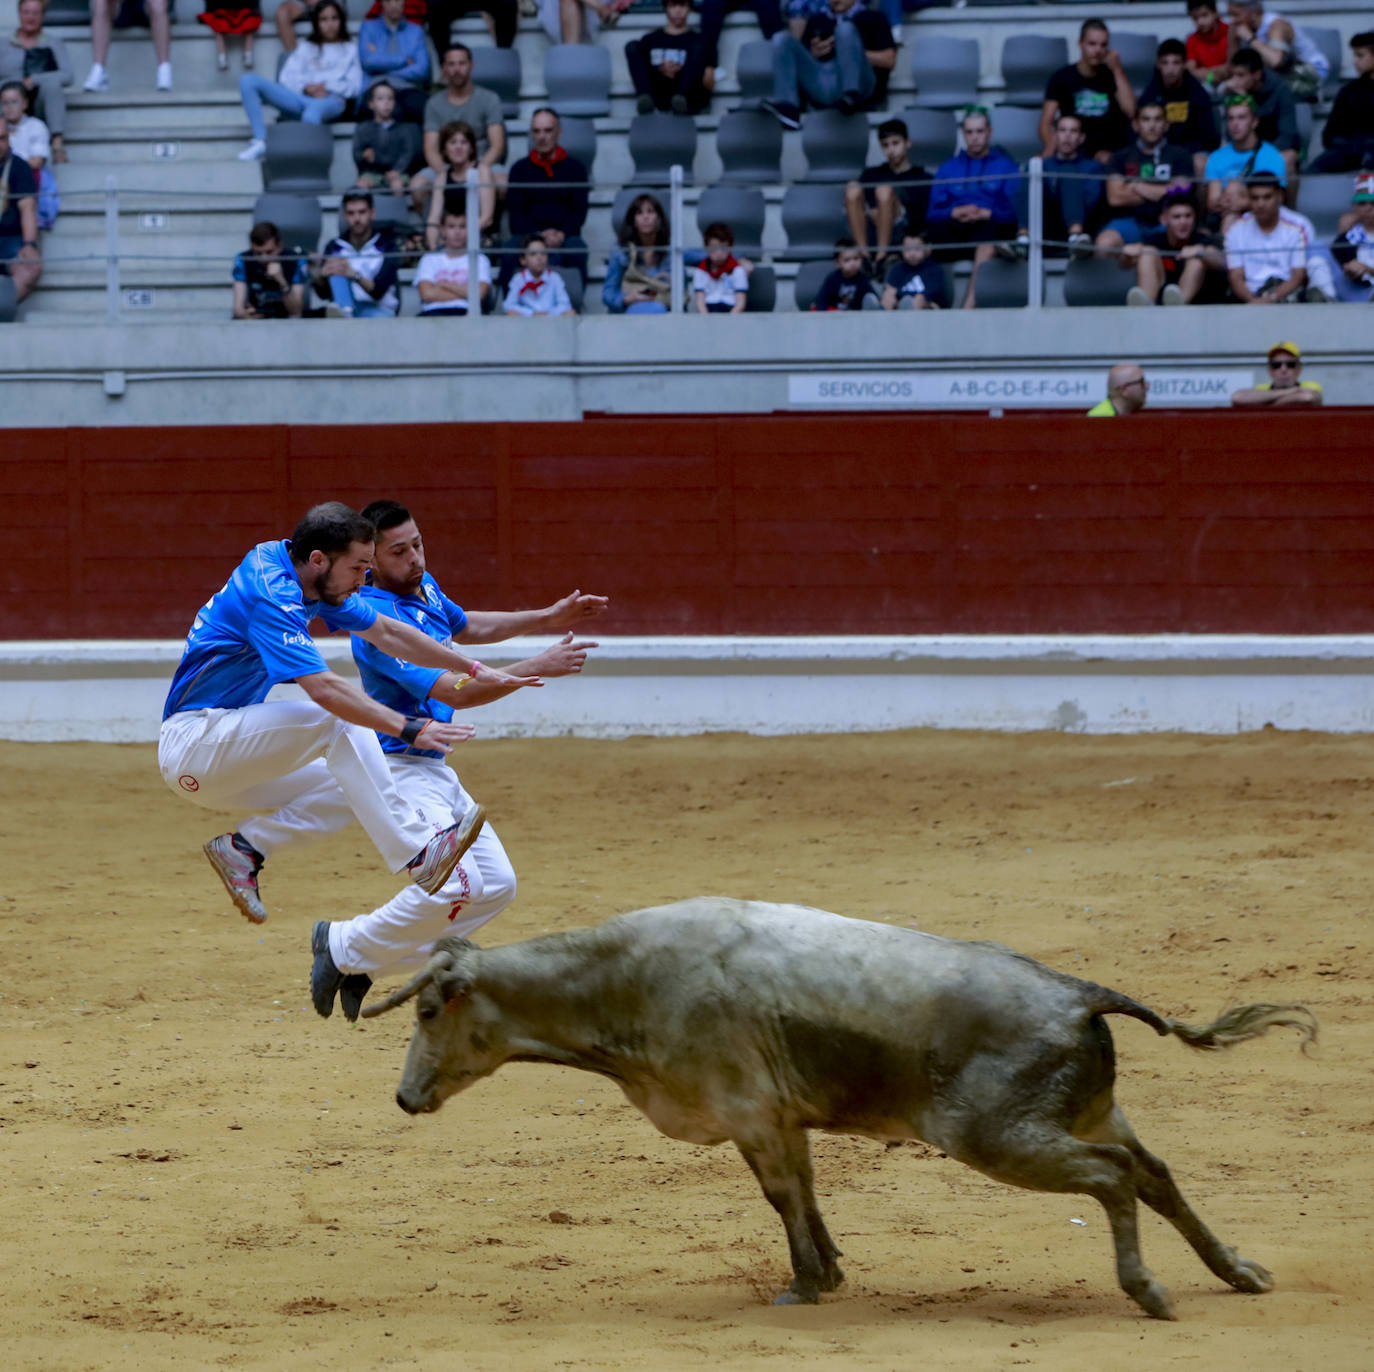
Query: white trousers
[[401, 933], [260, 757]]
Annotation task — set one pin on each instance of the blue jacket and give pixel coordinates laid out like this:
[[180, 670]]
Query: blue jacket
[[401, 57], [953, 185]]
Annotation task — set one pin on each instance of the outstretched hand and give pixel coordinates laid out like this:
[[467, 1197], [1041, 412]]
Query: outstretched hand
[[494, 676], [564, 658], [575, 607], [440, 737]]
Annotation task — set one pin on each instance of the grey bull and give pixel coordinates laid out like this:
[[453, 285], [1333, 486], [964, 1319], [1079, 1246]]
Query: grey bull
[[725, 1019]]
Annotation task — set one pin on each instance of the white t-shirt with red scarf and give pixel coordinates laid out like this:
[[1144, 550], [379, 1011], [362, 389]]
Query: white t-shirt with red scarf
[[720, 284]]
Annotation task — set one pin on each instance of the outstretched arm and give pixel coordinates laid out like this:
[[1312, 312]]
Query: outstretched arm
[[492, 626], [564, 658], [409, 644], [352, 704]]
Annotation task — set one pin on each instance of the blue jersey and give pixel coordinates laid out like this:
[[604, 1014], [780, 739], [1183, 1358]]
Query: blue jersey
[[255, 632], [402, 685]]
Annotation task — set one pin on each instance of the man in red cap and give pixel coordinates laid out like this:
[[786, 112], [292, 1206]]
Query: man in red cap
[[1285, 386]]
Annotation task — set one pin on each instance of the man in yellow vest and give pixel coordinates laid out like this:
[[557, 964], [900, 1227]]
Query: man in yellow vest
[[1285, 385], [1126, 391]]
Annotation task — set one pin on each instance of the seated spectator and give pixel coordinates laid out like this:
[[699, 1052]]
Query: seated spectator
[[19, 255], [972, 202], [358, 270], [915, 281], [1073, 187], [1176, 263], [392, 48], [461, 100], [1321, 267], [504, 15], [1187, 103], [547, 194], [1096, 89], [1348, 136], [1274, 104], [1208, 46], [638, 275], [1286, 49], [713, 14], [268, 283], [449, 187], [842, 61], [40, 61], [441, 277], [1285, 386], [317, 80], [1242, 155], [1266, 258], [1353, 249], [150, 14], [1139, 176], [29, 139], [385, 150], [536, 289], [889, 196], [1127, 390], [668, 66], [720, 284], [849, 286], [237, 17], [578, 21]]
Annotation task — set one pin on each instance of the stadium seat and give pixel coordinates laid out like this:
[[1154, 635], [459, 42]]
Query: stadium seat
[[390, 212], [835, 144], [577, 287], [763, 291], [1137, 56], [1028, 62], [9, 301], [1323, 199], [945, 71], [578, 139], [297, 217], [807, 283], [299, 157], [1090, 281], [578, 79], [754, 72], [1017, 130], [72, 12], [750, 146], [657, 142], [933, 136], [742, 207], [498, 69], [1329, 41], [1003, 285], [1306, 125], [813, 218]]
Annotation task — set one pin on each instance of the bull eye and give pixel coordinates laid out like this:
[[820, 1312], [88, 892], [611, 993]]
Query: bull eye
[[427, 1013]]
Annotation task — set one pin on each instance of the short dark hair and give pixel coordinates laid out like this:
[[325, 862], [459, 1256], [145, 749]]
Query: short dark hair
[[1249, 59], [263, 232], [1195, 5], [331, 528], [454, 209], [1068, 114], [357, 193], [531, 239], [720, 233], [386, 514], [1258, 180], [14, 86], [1363, 40], [1174, 198], [1091, 26], [1171, 47], [455, 47], [1149, 105], [890, 127], [844, 244], [377, 85]]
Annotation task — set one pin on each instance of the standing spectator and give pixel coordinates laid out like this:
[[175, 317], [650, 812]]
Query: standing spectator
[[358, 270], [1243, 154], [40, 61], [442, 276], [893, 194], [385, 150], [459, 143], [547, 194], [1139, 176], [1349, 133], [842, 61], [317, 80], [151, 14], [1096, 89], [720, 285], [19, 255], [268, 283], [1127, 391], [1285, 386], [1274, 104], [1285, 48], [225, 17], [537, 290], [1208, 46], [1073, 188], [30, 140], [1353, 249], [471, 104], [1176, 262], [668, 66], [391, 47], [1187, 103], [849, 286], [1266, 258], [915, 281], [713, 14], [505, 20], [972, 202], [638, 279]]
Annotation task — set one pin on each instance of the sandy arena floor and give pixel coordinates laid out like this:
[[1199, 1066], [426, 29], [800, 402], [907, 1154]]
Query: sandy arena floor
[[201, 1173]]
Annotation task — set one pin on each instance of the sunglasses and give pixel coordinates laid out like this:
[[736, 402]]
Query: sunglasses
[[1284, 365]]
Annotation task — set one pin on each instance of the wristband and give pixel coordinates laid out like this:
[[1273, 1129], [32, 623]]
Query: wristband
[[410, 730], [472, 671]]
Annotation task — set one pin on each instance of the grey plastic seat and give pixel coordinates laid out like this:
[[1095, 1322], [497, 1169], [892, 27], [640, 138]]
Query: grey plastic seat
[[1028, 62], [1323, 199], [578, 79], [499, 69], [754, 72], [835, 144], [299, 157], [1306, 121], [750, 146], [1003, 285], [9, 300], [1017, 129], [1137, 56], [933, 135], [390, 212], [577, 286], [813, 218], [657, 141], [1090, 281], [578, 138], [945, 71], [298, 218], [68, 12], [1329, 41], [742, 208], [763, 291], [807, 284]]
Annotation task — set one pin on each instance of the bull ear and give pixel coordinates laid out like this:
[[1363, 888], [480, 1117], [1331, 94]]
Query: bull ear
[[454, 986]]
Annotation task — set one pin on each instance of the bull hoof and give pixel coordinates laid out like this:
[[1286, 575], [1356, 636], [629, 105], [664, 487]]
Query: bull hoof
[[1250, 1276], [794, 1297], [1153, 1299], [832, 1279]]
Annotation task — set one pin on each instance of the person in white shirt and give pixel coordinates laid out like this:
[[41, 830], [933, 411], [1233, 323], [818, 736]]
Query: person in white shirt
[[720, 285], [1320, 265], [318, 80], [29, 139], [442, 277], [358, 270], [534, 289], [1266, 256]]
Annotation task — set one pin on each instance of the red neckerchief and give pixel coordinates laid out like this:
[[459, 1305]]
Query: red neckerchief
[[550, 162], [715, 273], [533, 284]]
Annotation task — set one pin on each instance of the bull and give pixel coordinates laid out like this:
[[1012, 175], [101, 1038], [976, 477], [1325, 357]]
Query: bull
[[726, 1019]]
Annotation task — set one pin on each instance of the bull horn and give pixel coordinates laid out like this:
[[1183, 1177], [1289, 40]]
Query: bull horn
[[437, 963]]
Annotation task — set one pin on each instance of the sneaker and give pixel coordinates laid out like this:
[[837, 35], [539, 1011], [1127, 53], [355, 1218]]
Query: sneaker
[[254, 152], [352, 989], [645, 104], [788, 115], [164, 76], [337, 312], [97, 80], [1135, 296], [1173, 295], [848, 102], [221, 61], [678, 104], [432, 866], [248, 59], [325, 977], [238, 864], [1080, 245], [1316, 296]]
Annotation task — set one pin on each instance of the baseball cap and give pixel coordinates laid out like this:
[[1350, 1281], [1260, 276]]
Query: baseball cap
[[1364, 189], [1291, 349]]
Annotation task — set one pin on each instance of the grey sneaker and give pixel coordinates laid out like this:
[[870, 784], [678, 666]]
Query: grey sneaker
[[434, 863], [1136, 296], [1173, 295], [238, 864], [325, 977], [352, 989]]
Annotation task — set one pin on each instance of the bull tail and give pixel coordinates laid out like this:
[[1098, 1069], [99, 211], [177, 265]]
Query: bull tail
[[1234, 1026]]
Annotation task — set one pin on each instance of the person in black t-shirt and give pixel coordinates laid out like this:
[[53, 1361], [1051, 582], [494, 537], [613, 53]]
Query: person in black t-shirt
[[668, 66], [1349, 133], [1176, 261], [19, 255], [1139, 176], [848, 286], [1187, 103], [916, 281], [1096, 89], [269, 283], [875, 206]]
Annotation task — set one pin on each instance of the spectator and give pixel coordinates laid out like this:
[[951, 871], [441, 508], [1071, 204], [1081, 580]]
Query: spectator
[[1127, 391], [40, 61], [358, 270], [842, 61], [1285, 386], [1208, 46], [1242, 155], [1290, 51], [713, 14], [1274, 104], [150, 14], [505, 20], [442, 276], [638, 279], [1139, 176], [1348, 137], [471, 104], [268, 283], [668, 66], [916, 281], [317, 81], [1353, 249], [578, 21], [30, 140], [720, 285], [1187, 103], [1176, 262], [225, 17], [537, 290], [459, 142], [1073, 188], [1266, 258], [19, 255], [1320, 265], [547, 194], [385, 150], [392, 48], [972, 203], [849, 286], [1096, 89], [888, 196]]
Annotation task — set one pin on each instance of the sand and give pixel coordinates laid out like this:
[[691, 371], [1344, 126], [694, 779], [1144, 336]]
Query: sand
[[202, 1173]]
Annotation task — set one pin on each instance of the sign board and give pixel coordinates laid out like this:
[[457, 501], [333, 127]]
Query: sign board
[[138, 300], [152, 221], [161, 150]]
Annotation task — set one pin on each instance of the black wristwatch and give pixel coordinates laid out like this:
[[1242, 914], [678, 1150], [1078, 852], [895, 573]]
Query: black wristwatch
[[410, 730], [29, 243]]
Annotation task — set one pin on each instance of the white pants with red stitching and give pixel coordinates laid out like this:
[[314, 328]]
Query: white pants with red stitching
[[400, 934]]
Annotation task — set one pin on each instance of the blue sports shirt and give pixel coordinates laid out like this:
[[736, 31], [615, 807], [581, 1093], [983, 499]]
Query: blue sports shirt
[[254, 632], [402, 685]]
